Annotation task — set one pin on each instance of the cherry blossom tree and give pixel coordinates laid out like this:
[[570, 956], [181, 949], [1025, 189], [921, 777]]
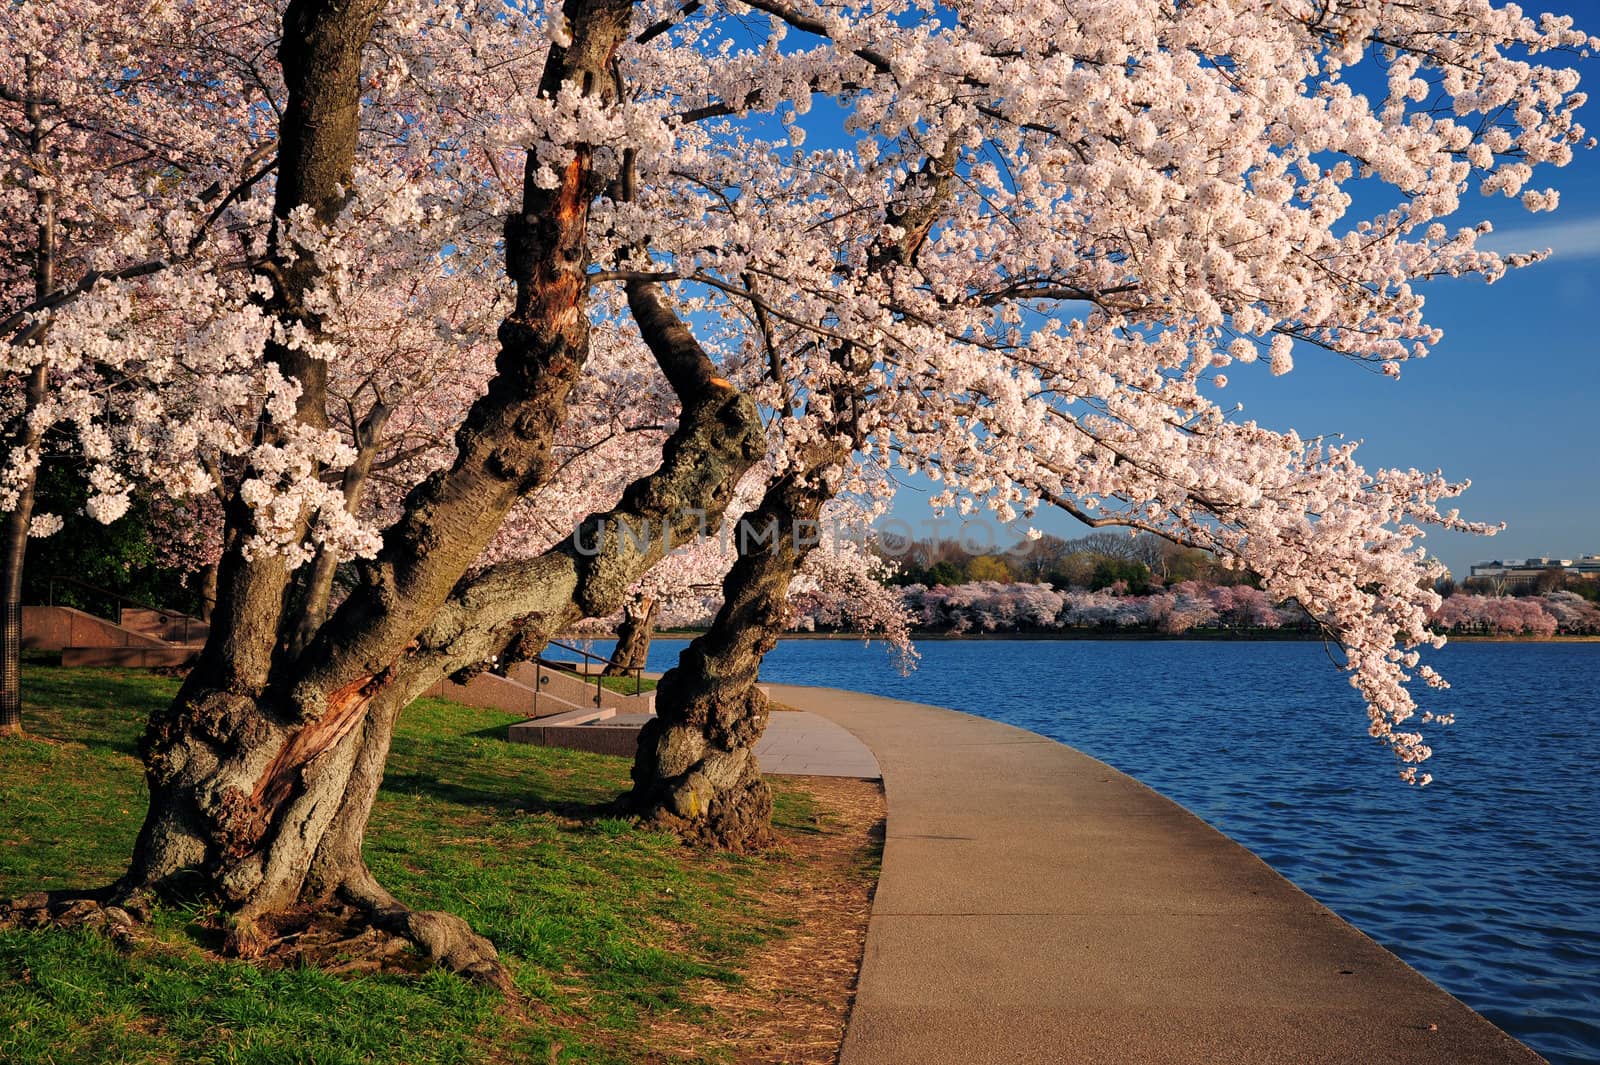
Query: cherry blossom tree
[[1500, 615], [113, 164], [1071, 260], [1573, 613], [1024, 262]]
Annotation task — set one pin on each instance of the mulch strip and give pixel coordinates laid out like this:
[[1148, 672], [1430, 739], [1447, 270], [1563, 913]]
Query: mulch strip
[[794, 1001]]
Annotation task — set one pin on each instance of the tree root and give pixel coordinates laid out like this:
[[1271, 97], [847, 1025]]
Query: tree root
[[442, 938], [369, 932], [447, 940], [121, 916], [345, 937]]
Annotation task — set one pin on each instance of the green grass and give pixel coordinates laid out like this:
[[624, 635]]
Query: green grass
[[601, 923], [627, 685]]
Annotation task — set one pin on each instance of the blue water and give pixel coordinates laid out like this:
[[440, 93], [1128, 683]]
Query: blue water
[[1488, 880]]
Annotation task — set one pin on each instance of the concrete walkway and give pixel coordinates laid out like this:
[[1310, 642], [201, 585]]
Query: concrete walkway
[[1036, 905], [796, 743]]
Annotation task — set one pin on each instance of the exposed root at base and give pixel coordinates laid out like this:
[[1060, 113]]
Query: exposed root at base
[[345, 938], [447, 940], [121, 917], [338, 938], [744, 837]]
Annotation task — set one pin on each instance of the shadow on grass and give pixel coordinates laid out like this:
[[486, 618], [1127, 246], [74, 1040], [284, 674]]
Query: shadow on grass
[[499, 801], [493, 732]]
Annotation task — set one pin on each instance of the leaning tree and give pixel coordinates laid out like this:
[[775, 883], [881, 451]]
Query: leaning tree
[[1024, 243]]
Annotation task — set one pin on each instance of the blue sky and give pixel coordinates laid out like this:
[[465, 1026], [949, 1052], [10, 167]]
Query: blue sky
[[1510, 399]]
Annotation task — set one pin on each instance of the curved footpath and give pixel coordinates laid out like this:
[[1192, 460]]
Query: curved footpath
[[1037, 905]]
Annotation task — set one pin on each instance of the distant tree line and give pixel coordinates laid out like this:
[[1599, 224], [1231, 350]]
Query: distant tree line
[[1563, 612], [1097, 561], [1023, 606], [1107, 582]]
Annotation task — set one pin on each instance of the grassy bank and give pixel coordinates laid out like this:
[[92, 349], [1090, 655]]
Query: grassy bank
[[608, 930]]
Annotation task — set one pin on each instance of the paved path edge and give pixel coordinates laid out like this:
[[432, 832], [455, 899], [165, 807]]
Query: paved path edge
[[1037, 905]]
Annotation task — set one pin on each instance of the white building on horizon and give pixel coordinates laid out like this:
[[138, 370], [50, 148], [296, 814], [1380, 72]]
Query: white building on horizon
[[1586, 566]]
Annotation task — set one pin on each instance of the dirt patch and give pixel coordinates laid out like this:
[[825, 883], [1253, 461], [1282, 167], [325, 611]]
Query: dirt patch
[[797, 990]]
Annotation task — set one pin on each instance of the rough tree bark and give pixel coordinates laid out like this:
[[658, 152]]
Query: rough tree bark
[[633, 637], [695, 771], [263, 771]]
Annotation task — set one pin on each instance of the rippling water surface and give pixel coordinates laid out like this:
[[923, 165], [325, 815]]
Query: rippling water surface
[[1488, 880]]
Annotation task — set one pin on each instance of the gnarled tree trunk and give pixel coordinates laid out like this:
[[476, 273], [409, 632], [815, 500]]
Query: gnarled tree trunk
[[263, 772], [696, 771], [633, 637]]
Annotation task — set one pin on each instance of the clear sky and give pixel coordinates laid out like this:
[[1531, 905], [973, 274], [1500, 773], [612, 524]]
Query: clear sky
[[1510, 399]]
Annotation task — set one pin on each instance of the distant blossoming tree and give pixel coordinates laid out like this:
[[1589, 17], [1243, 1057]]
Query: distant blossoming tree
[[1024, 263]]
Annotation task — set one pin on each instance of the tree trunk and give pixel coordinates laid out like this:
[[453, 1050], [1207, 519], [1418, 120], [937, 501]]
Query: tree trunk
[[696, 771], [272, 812], [208, 591], [633, 637], [263, 771], [18, 520], [13, 552]]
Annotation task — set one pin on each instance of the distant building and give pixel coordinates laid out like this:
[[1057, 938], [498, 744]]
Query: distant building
[[1514, 571]]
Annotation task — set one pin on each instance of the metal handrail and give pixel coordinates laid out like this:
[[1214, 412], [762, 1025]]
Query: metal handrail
[[116, 597], [539, 664], [121, 601]]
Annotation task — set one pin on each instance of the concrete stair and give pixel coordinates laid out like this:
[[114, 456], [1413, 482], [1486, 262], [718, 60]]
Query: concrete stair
[[86, 640], [166, 625], [559, 694], [599, 731]]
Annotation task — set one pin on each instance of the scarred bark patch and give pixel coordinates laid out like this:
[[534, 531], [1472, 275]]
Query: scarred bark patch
[[240, 822], [344, 710]]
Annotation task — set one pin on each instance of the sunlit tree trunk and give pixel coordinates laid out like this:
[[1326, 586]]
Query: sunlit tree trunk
[[633, 637], [18, 520], [263, 771], [696, 771]]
